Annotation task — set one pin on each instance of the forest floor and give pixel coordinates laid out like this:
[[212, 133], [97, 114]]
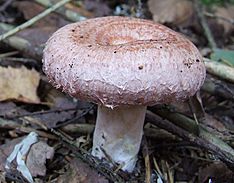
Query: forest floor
[[184, 142]]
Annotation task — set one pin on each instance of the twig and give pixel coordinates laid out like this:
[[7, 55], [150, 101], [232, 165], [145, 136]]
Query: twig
[[190, 103], [21, 44], [76, 118], [205, 26], [42, 112], [33, 20], [211, 15], [68, 14], [218, 69], [78, 128], [8, 54], [145, 153], [16, 59], [41, 133], [157, 169]]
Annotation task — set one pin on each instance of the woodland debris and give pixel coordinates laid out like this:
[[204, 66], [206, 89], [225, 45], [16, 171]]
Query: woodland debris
[[31, 9], [33, 20], [220, 70], [176, 12], [187, 129], [224, 17], [38, 155], [11, 89], [80, 172], [183, 154], [200, 12], [35, 159], [217, 171], [69, 11]]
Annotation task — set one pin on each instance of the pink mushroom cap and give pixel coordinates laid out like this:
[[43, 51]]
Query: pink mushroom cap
[[116, 61]]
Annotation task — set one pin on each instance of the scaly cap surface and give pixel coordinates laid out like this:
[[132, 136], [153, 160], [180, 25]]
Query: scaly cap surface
[[123, 61]]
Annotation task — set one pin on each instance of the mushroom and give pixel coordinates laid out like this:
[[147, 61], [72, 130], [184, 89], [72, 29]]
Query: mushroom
[[124, 65]]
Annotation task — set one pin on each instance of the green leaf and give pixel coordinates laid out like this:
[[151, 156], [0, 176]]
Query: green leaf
[[225, 56]]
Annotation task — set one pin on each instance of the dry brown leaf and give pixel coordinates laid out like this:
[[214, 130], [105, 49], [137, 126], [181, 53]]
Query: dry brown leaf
[[82, 173], [19, 84], [217, 171], [35, 160], [228, 13], [31, 9], [37, 156], [80, 9], [7, 108], [171, 11], [37, 37], [98, 8]]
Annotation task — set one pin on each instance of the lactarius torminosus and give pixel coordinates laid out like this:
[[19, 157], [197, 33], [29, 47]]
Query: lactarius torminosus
[[123, 65]]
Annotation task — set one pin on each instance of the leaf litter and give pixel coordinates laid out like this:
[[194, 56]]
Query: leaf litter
[[29, 103], [19, 84]]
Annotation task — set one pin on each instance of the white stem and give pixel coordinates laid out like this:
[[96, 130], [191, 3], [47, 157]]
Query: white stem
[[118, 134]]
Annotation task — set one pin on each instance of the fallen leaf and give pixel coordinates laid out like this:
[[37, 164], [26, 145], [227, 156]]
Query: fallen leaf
[[98, 8], [31, 9], [217, 127], [80, 9], [19, 84], [175, 12], [225, 56], [53, 119], [35, 160], [37, 156], [189, 167], [37, 37], [82, 173], [217, 171], [58, 101], [7, 108], [214, 123], [56, 98]]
